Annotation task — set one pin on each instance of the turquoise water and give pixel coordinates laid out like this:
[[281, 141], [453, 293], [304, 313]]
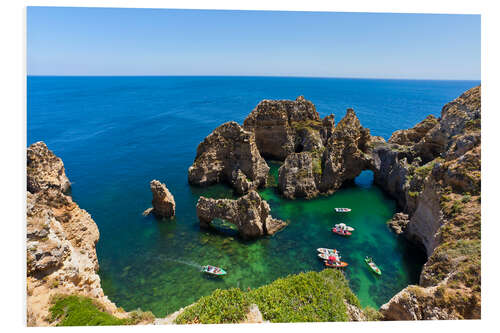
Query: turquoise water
[[115, 134]]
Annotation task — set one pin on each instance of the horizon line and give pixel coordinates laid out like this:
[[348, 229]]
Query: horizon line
[[270, 76]]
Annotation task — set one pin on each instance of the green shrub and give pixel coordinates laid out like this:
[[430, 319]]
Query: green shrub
[[456, 208], [466, 198], [305, 297], [316, 163], [222, 306], [80, 311], [413, 194], [139, 316], [371, 314]]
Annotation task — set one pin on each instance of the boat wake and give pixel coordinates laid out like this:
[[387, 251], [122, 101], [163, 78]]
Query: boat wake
[[184, 262]]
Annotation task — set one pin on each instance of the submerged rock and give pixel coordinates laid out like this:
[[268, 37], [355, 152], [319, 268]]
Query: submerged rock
[[163, 200], [229, 154], [250, 214]]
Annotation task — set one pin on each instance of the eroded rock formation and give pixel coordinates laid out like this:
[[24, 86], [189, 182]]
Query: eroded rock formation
[[434, 171], [342, 155], [321, 154], [250, 214], [45, 170], [229, 154], [283, 127], [163, 200], [61, 239]]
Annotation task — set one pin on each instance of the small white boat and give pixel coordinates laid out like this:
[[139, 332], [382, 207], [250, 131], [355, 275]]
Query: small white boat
[[326, 256], [342, 210], [327, 251], [344, 226]]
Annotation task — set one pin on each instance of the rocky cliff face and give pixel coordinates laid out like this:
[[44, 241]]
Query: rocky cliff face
[[319, 156], [283, 127], [249, 213], [342, 155], [229, 154], [434, 171], [45, 170], [163, 200], [61, 239]]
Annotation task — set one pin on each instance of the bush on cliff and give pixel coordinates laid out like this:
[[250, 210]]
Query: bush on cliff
[[75, 310], [80, 311], [305, 297]]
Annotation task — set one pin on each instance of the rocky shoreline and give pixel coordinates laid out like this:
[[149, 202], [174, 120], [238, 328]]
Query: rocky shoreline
[[61, 239], [432, 170]]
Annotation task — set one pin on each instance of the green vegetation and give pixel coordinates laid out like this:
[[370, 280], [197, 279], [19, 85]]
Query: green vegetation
[[305, 297], [308, 125], [425, 169], [473, 125], [76, 310], [80, 311], [456, 208], [413, 194], [222, 306], [371, 314], [316, 163]]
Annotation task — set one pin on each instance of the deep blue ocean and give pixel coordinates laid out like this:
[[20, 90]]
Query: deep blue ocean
[[116, 134]]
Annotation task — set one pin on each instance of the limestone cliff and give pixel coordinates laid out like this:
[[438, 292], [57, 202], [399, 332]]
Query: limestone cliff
[[342, 155], [283, 127], [250, 214], [229, 154], [61, 239], [319, 156], [434, 171]]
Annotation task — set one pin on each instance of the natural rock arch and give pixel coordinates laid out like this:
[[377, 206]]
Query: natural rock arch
[[250, 214]]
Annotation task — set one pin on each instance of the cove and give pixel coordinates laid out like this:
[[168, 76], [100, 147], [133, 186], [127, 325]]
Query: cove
[[116, 134]]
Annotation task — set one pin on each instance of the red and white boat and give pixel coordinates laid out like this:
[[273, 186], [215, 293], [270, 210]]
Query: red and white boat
[[341, 232]]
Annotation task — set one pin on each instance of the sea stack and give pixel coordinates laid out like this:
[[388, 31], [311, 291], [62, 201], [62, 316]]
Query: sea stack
[[163, 200], [229, 154]]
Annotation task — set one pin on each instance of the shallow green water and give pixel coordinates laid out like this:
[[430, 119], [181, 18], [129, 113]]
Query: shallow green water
[[173, 279]]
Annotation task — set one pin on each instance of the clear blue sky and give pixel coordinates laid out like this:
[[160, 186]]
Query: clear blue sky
[[114, 41]]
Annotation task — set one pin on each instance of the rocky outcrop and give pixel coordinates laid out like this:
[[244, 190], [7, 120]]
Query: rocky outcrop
[[415, 134], [163, 200], [283, 127], [399, 222], [297, 176], [229, 154], [250, 214], [44, 169], [321, 154], [346, 153], [434, 171], [61, 239]]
